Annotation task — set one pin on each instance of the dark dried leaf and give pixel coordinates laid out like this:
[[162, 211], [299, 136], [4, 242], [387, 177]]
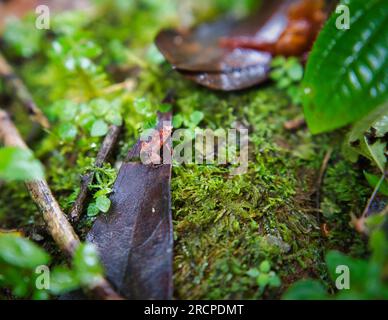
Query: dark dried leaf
[[231, 55], [134, 238]]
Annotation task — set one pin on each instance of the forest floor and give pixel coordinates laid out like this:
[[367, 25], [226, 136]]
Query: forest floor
[[292, 205]]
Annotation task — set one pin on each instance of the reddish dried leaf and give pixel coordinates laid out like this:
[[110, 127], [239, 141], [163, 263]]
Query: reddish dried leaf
[[232, 55]]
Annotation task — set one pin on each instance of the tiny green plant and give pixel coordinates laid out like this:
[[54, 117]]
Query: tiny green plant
[[264, 277], [104, 179], [287, 74]]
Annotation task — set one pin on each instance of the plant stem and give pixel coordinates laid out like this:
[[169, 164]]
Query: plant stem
[[373, 196], [57, 224], [23, 95], [104, 152]]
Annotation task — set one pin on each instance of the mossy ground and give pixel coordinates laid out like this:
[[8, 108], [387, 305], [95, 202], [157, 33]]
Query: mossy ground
[[223, 225], [226, 225]]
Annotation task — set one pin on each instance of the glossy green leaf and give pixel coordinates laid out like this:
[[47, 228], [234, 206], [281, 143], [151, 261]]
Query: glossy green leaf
[[347, 72], [99, 128], [19, 164], [103, 203]]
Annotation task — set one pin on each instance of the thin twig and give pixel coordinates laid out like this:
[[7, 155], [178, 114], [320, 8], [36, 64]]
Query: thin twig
[[294, 124], [372, 197], [57, 224], [322, 172], [21, 92], [103, 154]]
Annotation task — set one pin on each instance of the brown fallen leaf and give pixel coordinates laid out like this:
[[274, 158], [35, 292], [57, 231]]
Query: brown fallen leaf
[[135, 239], [232, 55]]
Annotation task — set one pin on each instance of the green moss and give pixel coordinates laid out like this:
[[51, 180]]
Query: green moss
[[226, 225]]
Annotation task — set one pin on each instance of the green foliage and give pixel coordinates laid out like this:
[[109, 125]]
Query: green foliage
[[87, 265], [22, 37], [234, 236], [19, 164], [287, 73], [368, 137], [20, 259], [374, 180], [306, 290], [104, 180], [264, 276], [366, 276], [99, 128], [346, 75], [20, 252], [86, 271]]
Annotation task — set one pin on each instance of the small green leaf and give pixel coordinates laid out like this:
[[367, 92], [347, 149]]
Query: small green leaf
[[274, 281], [279, 61], [177, 121], [254, 273], [265, 266], [63, 280], [93, 210], [373, 180], [103, 203], [295, 72], [377, 151], [87, 265], [19, 164], [114, 118], [262, 280], [277, 74], [196, 117], [165, 107], [142, 105], [99, 128], [21, 252], [67, 131], [100, 107], [150, 123], [284, 83], [367, 137]]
